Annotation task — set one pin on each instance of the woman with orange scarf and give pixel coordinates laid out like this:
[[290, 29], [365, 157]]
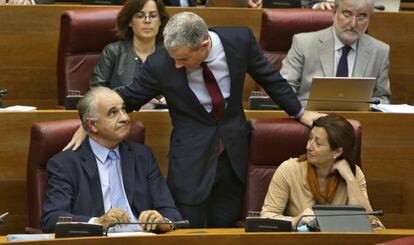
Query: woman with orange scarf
[[326, 174]]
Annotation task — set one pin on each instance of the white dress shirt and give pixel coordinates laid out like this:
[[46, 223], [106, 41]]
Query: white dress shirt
[[217, 63], [351, 55], [101, 154]]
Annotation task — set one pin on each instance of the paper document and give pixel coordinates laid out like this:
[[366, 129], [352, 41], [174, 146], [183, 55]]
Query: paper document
[[19, 108], [28, 237], [401, 108], [131, 233]]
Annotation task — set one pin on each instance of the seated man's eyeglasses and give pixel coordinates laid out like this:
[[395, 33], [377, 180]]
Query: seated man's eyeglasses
[[359, 18]]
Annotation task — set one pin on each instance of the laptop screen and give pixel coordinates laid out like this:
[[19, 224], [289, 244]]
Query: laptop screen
[[341, 93]]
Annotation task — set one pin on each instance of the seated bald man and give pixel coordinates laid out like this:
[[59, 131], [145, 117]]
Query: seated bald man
[[109, 179]]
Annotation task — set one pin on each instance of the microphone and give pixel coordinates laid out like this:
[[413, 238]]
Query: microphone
[[3, 92], [375, 213], [2, 216], [375, 102], [175, 224], [380, 7]]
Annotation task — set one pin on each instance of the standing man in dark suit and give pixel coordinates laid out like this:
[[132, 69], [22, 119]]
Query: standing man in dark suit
[[209, 142], [108, 179], [201, 74]]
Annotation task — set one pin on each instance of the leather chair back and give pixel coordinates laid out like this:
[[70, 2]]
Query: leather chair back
[[47, 139], [83, 35], [279, 26], [273, 141]]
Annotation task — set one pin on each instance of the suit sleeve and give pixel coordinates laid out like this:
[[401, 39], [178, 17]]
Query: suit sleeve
[[163, 201], [382, 89], [60, 196], [270, 79], [292, 65], [142, 89]]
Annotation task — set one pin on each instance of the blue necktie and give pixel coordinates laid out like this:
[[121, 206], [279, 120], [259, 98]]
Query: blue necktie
[[118, 198], [342, 70]]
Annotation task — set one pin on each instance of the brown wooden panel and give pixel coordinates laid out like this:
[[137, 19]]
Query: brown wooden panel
[[396, 30]]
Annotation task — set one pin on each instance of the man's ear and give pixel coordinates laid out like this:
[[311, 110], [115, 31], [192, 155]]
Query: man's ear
[[92, 125], [205, 44]]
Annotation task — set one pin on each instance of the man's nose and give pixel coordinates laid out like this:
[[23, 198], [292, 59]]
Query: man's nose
[[124, 117]]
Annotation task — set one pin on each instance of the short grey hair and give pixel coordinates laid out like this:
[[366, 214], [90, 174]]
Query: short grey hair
[[371, 2], [185, 29], [88, 107]]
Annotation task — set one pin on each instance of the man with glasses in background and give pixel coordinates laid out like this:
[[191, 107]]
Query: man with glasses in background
[[342, 50]]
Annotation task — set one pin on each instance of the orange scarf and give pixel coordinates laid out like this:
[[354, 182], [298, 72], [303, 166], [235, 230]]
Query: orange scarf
[[331, 185]]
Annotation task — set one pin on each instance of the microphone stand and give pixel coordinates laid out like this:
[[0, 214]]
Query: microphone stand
[[376, 102], [375, 213], [2, 216], [174, 225], [3, 92]]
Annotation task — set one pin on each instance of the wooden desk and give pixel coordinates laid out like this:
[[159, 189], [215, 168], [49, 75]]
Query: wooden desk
[[235, 236], [29, 40], [387, 159], [407, 6]]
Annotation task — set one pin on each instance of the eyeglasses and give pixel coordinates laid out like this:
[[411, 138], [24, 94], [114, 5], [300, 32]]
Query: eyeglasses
[[143, 16], [359, 18]]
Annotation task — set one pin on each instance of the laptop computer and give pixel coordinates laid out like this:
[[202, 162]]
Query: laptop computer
[[282, 3], [342, 218], [341, 93], [389, 5], [227, 3]]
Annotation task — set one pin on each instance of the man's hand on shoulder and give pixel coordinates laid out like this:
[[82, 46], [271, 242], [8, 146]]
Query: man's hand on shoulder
[[77, 139], [308, 117], [328, 5]]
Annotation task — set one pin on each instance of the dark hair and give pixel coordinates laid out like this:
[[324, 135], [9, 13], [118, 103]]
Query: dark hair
[[130, 8], [340, 135]]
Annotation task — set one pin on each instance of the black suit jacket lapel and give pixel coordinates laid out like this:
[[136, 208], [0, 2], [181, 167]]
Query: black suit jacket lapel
[[232, 56], [179, 76], [89, 165]]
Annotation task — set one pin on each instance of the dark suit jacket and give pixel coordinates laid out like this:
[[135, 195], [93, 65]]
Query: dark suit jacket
[[193, 151], [75, 188], [177, 2]]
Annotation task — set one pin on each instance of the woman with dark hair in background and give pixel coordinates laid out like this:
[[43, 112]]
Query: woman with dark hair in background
[[139, 27], [326, 174]]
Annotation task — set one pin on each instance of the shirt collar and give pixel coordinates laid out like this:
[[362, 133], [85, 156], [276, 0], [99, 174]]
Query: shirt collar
[[339, 45], [100, 151], [215, 50]]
